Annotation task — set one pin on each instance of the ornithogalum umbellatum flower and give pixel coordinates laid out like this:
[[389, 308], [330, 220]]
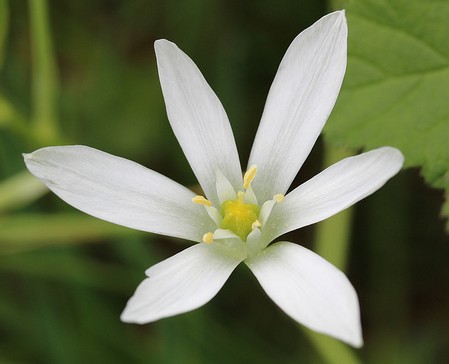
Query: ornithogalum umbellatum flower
[[240, 215]]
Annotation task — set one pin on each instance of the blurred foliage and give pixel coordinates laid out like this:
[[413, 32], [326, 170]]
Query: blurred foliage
[[87, 69], [396, 86]]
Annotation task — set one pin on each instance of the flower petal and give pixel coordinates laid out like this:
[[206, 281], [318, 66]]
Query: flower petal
[[120, 191], [334, 189], [180, 284], [198, 119], [310, 290], [300, 100]]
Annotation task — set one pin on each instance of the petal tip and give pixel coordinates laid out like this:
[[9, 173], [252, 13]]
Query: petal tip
[[129, 318], [134, 313], [161, 45], [395, 154], [338, 14], [339, 18], [358, 343], [353, 337]]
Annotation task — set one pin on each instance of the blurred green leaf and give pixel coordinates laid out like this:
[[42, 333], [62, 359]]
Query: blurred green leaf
[[11, 119], [7, 112], [331, 350], [31, 231], [20, 190], [396, 87], [67, 266]]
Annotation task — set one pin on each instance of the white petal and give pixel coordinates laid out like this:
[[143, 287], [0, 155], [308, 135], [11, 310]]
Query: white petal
[[225, 191], [224, 234], [214, 214], [180, 284], [335, 189], [310, 290], [254, 243], [250, 197], [120, 191], [198, 119], [300, 100]]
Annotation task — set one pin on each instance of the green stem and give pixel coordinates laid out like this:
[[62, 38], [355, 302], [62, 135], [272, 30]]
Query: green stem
[[333, 234], [44, 81], [337, 4], [20, 190], [4, 25], [332, 243]]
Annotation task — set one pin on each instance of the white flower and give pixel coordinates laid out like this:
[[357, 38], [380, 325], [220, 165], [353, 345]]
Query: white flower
[[240, 216]]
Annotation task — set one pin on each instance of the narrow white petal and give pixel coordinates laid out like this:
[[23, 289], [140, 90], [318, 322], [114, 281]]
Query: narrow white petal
[[225, 191], [214, 215], [180, 284], [198, 119], [254, 243], [265, 211], [300, 100], [120, 191], [250, 197], [310, 290], [224, 234], [335, 189]]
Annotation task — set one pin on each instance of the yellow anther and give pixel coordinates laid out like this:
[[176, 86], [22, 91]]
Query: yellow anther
[[208, 238], [200, 200], [249, 176], [256, 224], [279, 197]]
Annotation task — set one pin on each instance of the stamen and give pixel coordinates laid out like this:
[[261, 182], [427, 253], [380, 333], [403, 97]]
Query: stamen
[[241, 196], [256, 224], [279, 197], [249, 176], [208, 238], [200, 200]]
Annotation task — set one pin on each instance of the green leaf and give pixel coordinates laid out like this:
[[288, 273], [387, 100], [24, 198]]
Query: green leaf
[[396, 90]]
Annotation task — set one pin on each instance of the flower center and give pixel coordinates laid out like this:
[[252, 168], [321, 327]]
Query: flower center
[[239, 216]]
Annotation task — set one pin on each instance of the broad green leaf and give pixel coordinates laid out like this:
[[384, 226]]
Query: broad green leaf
[[396, 90]]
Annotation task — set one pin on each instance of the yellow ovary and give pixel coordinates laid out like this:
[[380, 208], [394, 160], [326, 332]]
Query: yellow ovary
[[239, 216]]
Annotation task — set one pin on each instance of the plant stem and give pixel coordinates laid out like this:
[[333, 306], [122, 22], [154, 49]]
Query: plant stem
[[4, 25], [332, 242], [44, 80], [333, 235]]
